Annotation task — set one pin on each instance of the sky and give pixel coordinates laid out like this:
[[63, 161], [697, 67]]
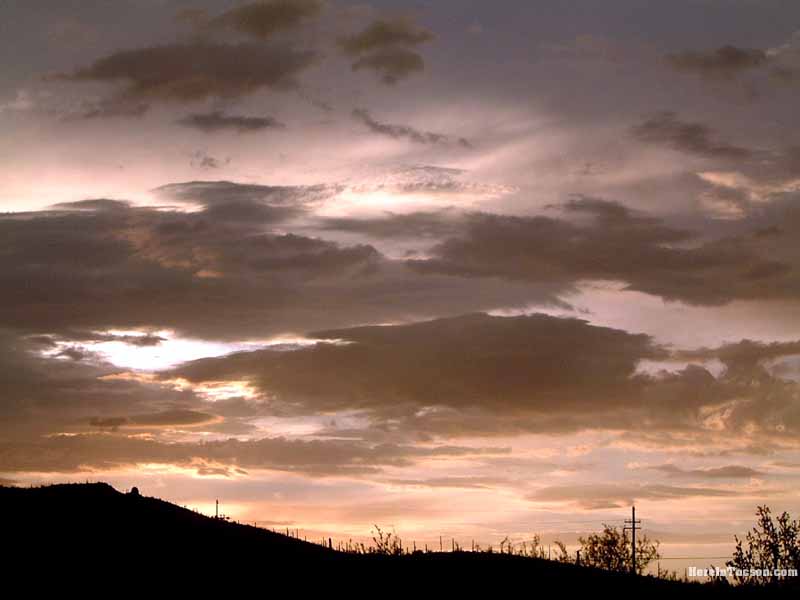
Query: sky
[[471, 269]]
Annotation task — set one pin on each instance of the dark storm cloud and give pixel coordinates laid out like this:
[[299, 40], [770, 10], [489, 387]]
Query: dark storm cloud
[[396, 132], [666, 129], [50, 405], [761, 398], [93, 257], [748, 397], [210, 193], [45, 395], [218, 121], [534, 366], [218, 271], [171, 417], [603, 496], [386, 47], [224, 259], [264, 18], [177, 417], [486, 376], [383, 33], [196, 71], [614, 243], [229, 201], [727, 472], [744, 355], [227, 274], [316, 457], [94, 204], [724, 62]]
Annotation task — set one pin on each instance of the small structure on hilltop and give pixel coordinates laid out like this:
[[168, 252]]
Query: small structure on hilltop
[[134, 492]]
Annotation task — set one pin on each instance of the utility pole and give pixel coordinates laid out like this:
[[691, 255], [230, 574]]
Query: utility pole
[[216, 514], [632, 524]]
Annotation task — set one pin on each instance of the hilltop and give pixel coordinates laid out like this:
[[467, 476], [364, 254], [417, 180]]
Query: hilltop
[[93, 526]]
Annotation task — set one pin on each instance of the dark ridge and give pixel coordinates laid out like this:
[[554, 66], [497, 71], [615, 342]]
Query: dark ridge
[[95, 518], [93, 529]]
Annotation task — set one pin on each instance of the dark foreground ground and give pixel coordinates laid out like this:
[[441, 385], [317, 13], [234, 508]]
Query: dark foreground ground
[[80, 534]]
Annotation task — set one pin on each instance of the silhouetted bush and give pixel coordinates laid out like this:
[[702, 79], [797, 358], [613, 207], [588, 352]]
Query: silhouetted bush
[[611, 550], [386, 543]]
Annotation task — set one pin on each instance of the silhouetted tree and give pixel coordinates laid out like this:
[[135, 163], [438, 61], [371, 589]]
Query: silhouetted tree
[[769, 551], [611, 550]]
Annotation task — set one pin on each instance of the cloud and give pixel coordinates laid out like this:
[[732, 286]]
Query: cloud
[[229, 258], [743, 356], [63, 416], [402, 131], [209, 193], [603, 240], [49, 395], [588, 47], [229, 201], [604, 496], [485, 376], [386, 47], [168, 418], [781, 63], [166, 252], [94, 204], [727, 472], [109, 108], [725, 62], [392, 64], [264, 18], [202, 160], [224, 270], [64, 454], [666, 129], [227, 270], [196, 71], [217, 121], [476, 483], [418, 225], [538, 370], [428, 179], [383, 33]]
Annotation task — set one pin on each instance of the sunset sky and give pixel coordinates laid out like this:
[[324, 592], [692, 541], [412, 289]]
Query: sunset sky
[[477, 269]]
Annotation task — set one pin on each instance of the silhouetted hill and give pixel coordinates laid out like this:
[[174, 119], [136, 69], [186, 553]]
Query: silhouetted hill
[[93, 528]]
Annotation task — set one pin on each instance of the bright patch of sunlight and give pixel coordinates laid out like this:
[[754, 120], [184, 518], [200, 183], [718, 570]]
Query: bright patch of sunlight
[[128, 350]]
